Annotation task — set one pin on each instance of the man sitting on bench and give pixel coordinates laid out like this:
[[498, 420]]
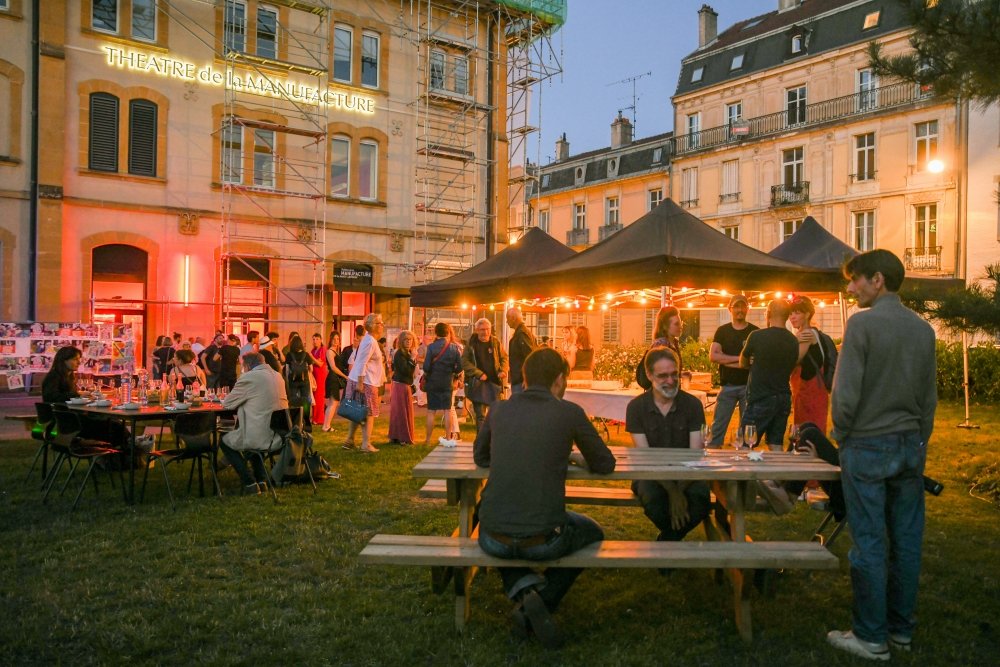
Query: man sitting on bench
[[526, 442], [666, 416]]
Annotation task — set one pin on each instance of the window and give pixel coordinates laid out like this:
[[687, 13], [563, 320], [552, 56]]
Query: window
[[342, 44], [235, 26], [437, 70], [655, 197], [649, 322], [864, 230], [611, 211], [232, 153], [104, 15], [737, 62], [927, 140], [789, 227], [4, 4], [142, 138], [689, 187], [734, 112], [144, 20], [792, 164], [732, 231], [864, 157], [340, 171], [795, 105], [368, 170], [545, 180], [730, 181], [543, 220], [103, 153], [610, 326], [798, 44], [267, 32], [612, 167], [925, 228], [871, 20], [369, 59], [867, 90], [579, 216], [696, 74], [461, 75], [579, 175], [263, 158], [657, 155], [693, 128]]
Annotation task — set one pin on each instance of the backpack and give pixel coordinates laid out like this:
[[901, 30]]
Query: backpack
[[297, 367], [830, 356]]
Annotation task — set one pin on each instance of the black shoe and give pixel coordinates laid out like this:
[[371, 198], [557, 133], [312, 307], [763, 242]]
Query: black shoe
[[519, 625], [542, 623]]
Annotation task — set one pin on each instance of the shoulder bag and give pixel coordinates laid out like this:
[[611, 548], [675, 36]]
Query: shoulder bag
[[353, 408], [480, 391]]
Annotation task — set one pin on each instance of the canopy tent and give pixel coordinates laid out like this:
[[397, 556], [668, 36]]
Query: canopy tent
[[669, 246], [811, 245], [487, 282]]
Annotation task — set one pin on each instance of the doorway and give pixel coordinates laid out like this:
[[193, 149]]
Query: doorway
[[118, 290]]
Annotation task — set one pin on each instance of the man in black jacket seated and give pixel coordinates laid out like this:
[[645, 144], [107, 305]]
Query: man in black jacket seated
[[526, 442]]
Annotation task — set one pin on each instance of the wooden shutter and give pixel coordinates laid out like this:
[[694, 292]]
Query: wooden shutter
[[103, 153], [142, 138]]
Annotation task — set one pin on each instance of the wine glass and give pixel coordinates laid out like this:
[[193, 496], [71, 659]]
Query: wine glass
[[738, 442], [793, 438], [750, 435], [706, 434]]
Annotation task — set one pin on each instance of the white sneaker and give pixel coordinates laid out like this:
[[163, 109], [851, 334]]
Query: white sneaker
[[445, 442], [846, 641]]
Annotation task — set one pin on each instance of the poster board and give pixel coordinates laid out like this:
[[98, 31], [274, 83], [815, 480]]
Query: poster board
[[29, 347]]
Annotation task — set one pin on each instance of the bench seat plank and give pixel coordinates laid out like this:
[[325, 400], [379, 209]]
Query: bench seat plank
[[465, 552]]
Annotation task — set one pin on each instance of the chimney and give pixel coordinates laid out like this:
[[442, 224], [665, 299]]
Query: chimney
[[562, 148], [621, 131], [708, 25], [785, 5]]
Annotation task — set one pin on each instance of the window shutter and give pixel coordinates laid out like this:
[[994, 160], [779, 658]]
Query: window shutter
[[142, 138], [103, 154]]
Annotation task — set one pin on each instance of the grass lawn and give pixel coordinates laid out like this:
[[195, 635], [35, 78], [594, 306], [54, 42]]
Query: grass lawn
[[245, 581]]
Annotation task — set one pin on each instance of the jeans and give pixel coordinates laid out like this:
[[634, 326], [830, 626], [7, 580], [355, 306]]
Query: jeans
[[212, 380], [770, 415], [725, 403], [655, 503], [237, 459], [579, 531], [883, 486]]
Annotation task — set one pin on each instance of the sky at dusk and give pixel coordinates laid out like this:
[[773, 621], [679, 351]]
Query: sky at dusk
[[605, 42]]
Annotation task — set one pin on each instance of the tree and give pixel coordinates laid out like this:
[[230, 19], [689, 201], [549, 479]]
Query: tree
[[974, 309], [956, 49]]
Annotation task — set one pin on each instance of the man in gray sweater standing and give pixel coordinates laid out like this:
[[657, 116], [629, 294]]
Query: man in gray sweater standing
[[884, 397]]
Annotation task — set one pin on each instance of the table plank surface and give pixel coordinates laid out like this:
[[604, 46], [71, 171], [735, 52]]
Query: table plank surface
[[649, 463]]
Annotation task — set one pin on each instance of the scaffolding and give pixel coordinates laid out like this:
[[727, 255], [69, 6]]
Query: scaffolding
[[465, 116], [272, 135]]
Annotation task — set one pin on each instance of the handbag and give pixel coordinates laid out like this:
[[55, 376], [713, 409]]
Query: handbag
[[423, 378], [479, 391], [353, 408]]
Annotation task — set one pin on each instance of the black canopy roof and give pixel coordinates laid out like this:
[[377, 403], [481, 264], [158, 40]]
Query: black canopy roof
[[669, 246], [487, 282]]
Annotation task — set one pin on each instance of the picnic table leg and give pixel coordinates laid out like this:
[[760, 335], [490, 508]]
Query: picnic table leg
[[468, 493], [742, 579]]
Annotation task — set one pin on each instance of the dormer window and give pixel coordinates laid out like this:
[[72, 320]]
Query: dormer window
[[545, 180], [612, 167], [696, 74], [737, 62], [797, 43], [872, 20], [657, 155], [578, 175]]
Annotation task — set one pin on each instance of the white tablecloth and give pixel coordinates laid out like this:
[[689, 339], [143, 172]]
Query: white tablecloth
[[612, 404]]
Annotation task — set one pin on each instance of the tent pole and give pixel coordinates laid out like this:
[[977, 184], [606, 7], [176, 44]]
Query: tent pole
[[843, 313], [965, 380], [555, 324]]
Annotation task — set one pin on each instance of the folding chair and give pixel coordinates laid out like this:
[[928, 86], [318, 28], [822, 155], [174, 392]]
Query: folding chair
[[71, 448], [43, 432], [282, 423], [196, 432]]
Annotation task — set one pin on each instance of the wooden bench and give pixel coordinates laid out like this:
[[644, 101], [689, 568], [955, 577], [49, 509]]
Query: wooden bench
[[575, 495], [436, 550]]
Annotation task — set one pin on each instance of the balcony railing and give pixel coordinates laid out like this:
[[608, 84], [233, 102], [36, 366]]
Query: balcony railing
[[927, 258], [789, 195], [607, 230], [866, 102], [578, 237], [689, 203], [864, 176]]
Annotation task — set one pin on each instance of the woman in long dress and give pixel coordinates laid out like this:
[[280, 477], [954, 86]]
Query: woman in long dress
[[810, 399], [404, 365], [319, 371]]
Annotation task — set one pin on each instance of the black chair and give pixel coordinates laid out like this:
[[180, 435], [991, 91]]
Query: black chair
[[282, 422], [72, 449], [196, 432], [43, 431]]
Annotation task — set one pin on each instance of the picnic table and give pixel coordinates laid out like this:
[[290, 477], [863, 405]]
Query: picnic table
[[733, 482]]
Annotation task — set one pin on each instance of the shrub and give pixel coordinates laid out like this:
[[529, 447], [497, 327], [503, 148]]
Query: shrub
[[618, 362], [984, 372]]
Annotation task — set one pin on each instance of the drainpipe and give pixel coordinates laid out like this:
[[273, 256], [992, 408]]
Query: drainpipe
[[33, 152], [962, 187]]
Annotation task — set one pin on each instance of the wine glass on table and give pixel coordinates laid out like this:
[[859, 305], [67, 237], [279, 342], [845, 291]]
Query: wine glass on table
[[738, 442], [706, 435], [750, 436]]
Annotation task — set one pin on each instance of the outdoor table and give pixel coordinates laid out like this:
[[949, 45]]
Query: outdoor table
[[732, 481], [132, 417], [613, 404]]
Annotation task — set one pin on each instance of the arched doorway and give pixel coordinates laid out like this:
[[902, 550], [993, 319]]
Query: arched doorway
[[118, 289]]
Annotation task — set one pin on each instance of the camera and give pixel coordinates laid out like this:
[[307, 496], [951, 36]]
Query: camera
[[932, 486]]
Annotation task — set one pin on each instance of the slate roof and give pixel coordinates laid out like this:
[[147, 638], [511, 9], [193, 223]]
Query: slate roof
[[765, 40], [634, 159]]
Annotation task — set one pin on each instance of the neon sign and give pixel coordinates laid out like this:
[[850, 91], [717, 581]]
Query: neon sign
[[253, 84]]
